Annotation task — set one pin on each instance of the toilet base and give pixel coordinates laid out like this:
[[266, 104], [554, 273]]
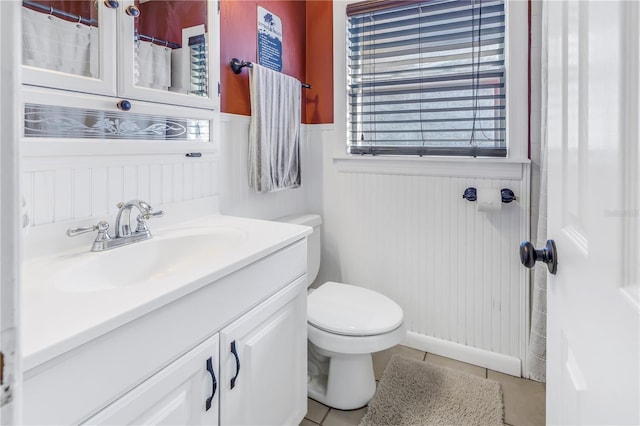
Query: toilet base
[[342, 381]]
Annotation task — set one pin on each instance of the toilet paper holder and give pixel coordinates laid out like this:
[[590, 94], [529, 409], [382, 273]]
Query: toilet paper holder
[[507, 195]]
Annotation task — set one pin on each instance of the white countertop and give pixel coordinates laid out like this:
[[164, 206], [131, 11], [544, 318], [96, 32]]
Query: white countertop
[[55, 321]]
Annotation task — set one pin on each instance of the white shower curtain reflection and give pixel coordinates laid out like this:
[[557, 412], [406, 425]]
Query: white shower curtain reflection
[[537, 355], [152, 66], [55, 44]]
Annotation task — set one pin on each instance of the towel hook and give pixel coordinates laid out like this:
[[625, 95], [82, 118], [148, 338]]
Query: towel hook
[[237, 65], [50, 11]]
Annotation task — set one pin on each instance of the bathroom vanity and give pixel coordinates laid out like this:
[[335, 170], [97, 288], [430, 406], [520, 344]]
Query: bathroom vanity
[[205, 323], [211, 329]]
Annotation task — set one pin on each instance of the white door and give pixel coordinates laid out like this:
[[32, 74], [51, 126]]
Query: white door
[[263, 362], [10, 375], [593, 114]]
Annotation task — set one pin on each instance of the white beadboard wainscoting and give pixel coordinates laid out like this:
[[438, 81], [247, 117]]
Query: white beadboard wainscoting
[[237, 199], [71, 183], [64, 190], [408, 233]]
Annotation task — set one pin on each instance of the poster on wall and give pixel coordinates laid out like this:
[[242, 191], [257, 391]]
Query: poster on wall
[[269, 40]]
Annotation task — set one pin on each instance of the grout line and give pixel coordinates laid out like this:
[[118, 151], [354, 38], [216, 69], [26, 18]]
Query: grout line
[[326, 415], [307, 418]]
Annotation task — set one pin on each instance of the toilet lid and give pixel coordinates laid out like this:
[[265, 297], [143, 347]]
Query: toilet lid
[[352, 311]]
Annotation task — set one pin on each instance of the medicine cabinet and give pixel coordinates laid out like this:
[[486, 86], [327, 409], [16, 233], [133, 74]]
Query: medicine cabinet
[[163, 51]]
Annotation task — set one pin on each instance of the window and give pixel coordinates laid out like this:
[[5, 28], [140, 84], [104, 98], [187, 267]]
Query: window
[[427, 78]]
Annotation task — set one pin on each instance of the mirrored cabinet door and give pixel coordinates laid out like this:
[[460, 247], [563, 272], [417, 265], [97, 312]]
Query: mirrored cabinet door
[[166, 50], [70, 44]]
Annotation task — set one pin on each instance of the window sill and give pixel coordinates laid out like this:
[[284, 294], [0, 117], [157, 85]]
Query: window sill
[[488, 168]]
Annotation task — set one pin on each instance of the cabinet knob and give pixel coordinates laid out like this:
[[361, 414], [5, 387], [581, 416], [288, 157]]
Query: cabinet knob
[[111, 4], [124, 105], [133, 11]]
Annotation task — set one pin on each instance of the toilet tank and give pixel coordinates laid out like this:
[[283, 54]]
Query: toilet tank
[[313, 241]]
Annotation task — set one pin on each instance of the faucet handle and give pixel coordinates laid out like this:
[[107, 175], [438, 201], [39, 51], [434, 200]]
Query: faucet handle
[[143, 217], [101, 227], [149, 215], [142, 205]]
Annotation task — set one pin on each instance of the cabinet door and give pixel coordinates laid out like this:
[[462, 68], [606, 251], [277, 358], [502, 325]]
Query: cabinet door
[[186, 392], [263, 369], [169, 52], [70, 45]]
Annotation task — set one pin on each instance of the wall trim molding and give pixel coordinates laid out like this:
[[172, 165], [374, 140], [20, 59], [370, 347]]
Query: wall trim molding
[[324, 127], [449, 167], [227, 117], [483, 358]]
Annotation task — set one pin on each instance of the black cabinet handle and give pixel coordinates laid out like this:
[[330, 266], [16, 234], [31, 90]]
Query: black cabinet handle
[[214, 383], [235, 354]]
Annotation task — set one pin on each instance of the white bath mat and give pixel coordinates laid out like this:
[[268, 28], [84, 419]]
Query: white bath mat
[[413, 392]]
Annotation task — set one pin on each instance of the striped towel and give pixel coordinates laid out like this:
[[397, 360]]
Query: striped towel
[[274, 133]]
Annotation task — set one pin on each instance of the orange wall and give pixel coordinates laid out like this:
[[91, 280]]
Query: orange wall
[[319, 98], [75, 7], [165, 19], [238, 38]]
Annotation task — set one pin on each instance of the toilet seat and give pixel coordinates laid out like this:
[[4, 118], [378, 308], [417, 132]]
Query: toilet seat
[[342, 345], [349, 310]]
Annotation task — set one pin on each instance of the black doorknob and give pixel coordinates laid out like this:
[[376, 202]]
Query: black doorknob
[[529, 255]]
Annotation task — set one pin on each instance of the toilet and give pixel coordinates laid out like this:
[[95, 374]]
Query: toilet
[[345, 325]]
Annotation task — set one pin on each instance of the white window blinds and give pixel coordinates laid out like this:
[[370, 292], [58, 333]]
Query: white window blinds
[[198, 52], [426, 78]]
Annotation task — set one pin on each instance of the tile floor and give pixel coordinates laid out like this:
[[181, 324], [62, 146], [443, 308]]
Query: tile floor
[[523, 399]]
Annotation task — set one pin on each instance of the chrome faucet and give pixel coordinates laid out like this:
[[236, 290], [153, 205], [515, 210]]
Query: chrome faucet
[[123, 235], [124, 229]]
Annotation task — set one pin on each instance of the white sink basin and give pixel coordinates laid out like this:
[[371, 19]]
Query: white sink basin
[[71, 297], [176, 251]]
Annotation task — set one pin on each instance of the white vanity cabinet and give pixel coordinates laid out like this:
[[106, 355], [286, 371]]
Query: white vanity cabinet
[[262, 378], [159, 367], [165, 52], [263, 364], [183, 393]]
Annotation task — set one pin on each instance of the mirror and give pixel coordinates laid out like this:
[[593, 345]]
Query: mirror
[[171, 46], [61, 36]]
